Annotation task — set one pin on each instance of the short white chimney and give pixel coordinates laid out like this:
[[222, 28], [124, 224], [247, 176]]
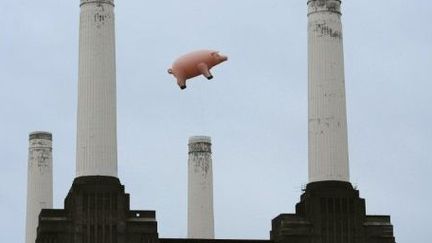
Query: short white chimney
[[200, 189], [39, 180]]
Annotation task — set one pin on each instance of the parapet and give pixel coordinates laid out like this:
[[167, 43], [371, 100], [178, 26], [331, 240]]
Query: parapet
[[200, 144], [40, 135], [111, 2], [315, 6]]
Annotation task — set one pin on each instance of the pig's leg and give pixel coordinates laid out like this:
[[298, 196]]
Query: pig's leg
[[181, 82], [204, 70]]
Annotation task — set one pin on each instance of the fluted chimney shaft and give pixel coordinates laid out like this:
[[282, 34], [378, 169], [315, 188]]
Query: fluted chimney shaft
[[328, 145], [96, 128]]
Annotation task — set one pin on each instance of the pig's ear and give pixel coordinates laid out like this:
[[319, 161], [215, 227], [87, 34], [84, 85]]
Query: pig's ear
[[215, 53]]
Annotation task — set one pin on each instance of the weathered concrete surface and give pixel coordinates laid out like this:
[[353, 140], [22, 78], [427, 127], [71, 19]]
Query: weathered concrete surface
[[39, 180], [200, 189], [328, 142], [96, 128]]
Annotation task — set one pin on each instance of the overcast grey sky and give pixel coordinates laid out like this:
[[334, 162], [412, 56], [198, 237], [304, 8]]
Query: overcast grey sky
[[255, 109]]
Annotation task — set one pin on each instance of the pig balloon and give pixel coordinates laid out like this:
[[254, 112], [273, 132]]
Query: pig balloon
[[194, 64]]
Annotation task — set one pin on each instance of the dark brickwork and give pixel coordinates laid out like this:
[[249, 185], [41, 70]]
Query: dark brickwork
[[331, 212], [97, 211], [177, 240]]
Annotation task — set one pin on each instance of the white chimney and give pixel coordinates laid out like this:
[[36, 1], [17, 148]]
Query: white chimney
[[200, 189], [96, 128], [328, 143], [39, 180]]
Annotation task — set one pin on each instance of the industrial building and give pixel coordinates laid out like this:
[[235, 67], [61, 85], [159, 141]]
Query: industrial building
[[96, 209]]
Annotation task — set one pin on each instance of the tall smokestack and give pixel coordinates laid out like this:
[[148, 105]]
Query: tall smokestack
[[330, 208], [39, 180], [200, 189], [328, 145], [96, 128]]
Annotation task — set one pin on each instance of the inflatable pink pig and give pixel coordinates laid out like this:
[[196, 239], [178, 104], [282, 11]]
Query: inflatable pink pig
[[194, 64]]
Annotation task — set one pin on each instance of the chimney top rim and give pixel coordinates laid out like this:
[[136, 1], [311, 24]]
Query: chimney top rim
[[199, 139], [40, 135]]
